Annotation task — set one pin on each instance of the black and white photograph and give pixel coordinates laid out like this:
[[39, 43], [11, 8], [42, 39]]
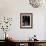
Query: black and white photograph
[[26, 20]]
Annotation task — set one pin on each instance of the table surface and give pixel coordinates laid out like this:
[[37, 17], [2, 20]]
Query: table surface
[[42, 41], [29, 41]]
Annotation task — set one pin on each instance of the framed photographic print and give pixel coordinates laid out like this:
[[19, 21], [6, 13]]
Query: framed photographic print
[[26, 20]]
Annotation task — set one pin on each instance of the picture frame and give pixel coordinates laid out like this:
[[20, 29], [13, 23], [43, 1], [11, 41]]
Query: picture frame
[[26, 20]]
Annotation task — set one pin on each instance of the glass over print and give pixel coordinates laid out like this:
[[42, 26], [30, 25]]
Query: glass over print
[[26, 20]]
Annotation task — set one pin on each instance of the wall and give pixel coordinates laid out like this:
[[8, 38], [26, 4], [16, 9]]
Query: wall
[[13, 8]]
